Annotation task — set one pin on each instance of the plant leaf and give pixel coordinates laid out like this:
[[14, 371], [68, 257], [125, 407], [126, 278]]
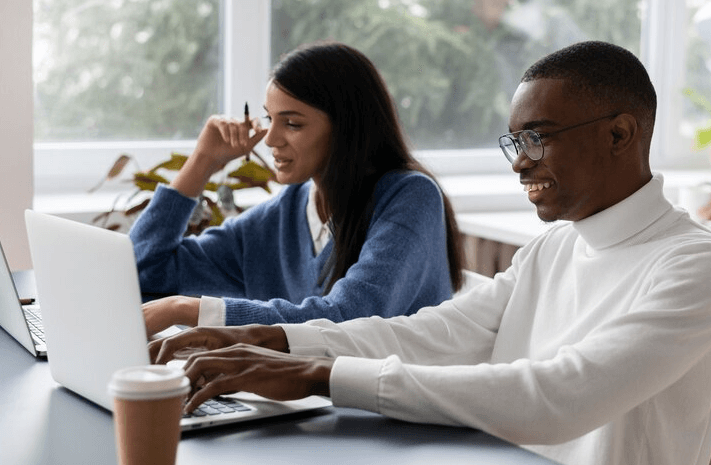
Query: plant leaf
[[252, 173], [148, 181], [115, 170], [137, 208], [217, 217], [703, 138], [174, 164], [697, 99]]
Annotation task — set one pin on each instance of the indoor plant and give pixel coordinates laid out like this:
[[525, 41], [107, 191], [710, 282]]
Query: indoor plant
[[214, 205]]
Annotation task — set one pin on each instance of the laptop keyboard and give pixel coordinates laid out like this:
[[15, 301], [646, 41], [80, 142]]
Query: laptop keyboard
[[34, 321], [218, 406]]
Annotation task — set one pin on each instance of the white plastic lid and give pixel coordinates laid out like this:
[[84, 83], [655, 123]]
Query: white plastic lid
[[149, 382]]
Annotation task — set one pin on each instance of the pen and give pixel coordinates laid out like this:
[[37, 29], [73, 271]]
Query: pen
[[246, 120]]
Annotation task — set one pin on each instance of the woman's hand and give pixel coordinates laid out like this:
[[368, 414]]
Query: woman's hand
[[221, 140], [268, 373], [203, 339], [174, 310]]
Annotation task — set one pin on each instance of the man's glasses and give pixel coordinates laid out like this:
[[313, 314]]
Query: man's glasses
[[530, 141]]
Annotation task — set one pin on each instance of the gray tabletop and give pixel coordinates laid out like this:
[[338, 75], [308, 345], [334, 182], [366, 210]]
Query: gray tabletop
[[43, 423]]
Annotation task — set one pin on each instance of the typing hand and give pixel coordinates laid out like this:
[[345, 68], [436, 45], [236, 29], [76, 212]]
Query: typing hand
[[174, 310], [268, 373], [210, 338]]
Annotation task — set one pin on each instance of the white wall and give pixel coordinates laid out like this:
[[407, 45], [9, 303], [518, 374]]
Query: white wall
[[15, 129]]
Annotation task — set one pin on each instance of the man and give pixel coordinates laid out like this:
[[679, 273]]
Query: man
[[594, 347]]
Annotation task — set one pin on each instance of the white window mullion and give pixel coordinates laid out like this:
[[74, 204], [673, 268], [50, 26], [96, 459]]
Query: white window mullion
[[246, 54], [664, 55]]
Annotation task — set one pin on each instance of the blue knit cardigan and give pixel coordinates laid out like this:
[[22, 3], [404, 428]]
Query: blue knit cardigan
[[262, 262]]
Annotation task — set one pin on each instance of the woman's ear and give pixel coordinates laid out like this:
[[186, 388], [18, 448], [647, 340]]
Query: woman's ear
[[624, 132]]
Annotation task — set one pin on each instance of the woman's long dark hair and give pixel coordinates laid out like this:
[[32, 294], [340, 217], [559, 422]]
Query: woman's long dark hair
[[366, 143]]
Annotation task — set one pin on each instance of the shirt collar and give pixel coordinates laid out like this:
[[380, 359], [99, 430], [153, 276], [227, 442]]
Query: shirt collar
[[320, 233], [627, 217]]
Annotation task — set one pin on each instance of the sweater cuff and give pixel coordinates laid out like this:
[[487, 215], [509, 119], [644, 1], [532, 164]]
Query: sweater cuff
[[354, 383], [171, 188], [304, 339], [166, 193]]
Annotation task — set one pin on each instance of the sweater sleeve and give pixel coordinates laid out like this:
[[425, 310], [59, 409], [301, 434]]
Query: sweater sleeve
[[617, 366], [169, 263], [402, 267]]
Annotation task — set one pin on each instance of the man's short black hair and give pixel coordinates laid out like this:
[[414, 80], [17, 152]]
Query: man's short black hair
[[605, 75]]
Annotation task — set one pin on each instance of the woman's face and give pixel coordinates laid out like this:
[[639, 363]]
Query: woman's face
[[299, 136]]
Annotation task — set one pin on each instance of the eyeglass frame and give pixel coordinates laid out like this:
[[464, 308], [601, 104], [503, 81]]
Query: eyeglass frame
[[514, 137]]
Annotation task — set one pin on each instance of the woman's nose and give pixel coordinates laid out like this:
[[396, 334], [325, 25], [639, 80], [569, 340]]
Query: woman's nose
[[272, 138]]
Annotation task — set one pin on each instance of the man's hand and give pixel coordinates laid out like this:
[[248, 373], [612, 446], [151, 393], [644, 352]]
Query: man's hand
[[174, 310], [203, 339], [268, 373]]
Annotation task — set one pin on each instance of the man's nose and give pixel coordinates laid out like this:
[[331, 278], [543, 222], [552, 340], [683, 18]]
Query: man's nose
[[522, 162]]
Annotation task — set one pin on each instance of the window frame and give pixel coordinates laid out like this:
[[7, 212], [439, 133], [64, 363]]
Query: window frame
[[663, 52], [72, 167]]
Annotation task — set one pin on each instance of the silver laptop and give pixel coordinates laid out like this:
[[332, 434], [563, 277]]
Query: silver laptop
[[21, 320], [87, 284]]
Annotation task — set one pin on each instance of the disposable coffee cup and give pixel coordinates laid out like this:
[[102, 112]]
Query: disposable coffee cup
[[148, 405]]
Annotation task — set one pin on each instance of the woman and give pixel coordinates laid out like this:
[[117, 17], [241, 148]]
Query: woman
[[361, 229]]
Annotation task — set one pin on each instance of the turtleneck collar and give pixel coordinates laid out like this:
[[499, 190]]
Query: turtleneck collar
[[627, 217]]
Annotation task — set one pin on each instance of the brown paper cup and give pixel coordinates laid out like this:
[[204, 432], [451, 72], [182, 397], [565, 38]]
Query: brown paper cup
[[148, 405]]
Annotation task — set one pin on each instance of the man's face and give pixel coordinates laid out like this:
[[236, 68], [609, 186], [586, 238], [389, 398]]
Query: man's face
[[576, 175]]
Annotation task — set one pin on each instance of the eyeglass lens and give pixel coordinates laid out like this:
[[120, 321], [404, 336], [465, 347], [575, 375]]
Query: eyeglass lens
[[508, 146], [529, 141]]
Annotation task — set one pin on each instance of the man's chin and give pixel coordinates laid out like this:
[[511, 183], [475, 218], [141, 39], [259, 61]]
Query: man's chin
[[546, 215]]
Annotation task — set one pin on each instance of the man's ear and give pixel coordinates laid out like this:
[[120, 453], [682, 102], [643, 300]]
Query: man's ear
[[623, 131]]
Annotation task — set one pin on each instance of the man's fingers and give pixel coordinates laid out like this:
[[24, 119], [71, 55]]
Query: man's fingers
[[208, 366], [154, 348], [179, 345], [165, 350], [207, 389]]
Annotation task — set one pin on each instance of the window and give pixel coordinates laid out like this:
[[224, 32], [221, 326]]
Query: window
[[125, 70], [141, 76], [452, 66], [696, 107]]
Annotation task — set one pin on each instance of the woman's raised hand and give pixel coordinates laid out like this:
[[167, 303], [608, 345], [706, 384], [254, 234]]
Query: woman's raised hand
[[221, 140]]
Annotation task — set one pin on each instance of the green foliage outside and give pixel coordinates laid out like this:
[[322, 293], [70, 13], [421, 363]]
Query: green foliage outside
[[698, 90], [150, 69], [452, 73], [117, 70]]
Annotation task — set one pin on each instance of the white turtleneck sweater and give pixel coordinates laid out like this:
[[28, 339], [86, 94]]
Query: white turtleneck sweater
[[593, 348]]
